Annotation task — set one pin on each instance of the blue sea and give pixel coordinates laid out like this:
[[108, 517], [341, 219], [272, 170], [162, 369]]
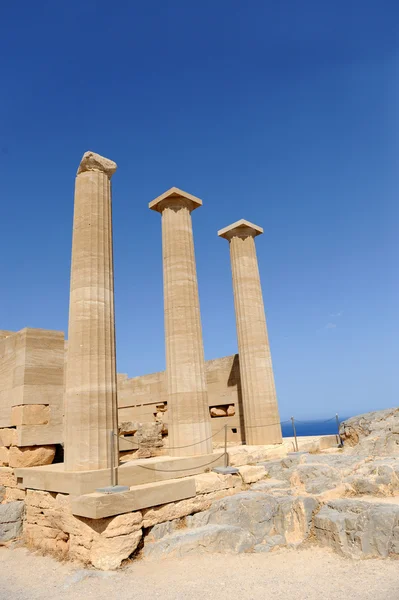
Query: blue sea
[[320, 427]]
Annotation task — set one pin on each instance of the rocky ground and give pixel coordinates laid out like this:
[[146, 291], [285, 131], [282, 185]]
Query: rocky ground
[[347, 503], [308, 574]]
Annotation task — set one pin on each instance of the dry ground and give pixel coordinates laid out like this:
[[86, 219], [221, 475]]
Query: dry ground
[[307, 574]]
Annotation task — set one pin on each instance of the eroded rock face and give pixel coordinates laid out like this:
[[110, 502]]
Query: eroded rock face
[[372, 434], [247, 521], [358, 529]]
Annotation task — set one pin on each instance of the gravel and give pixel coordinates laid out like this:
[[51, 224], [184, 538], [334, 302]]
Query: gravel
[[305, 574]]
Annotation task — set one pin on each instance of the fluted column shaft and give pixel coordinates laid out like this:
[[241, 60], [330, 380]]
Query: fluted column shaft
[[261, 415], [90, 394], [189, 420]]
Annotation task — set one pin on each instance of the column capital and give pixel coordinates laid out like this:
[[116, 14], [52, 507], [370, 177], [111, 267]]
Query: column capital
[[241, 228], [175, 198], [95, 162]]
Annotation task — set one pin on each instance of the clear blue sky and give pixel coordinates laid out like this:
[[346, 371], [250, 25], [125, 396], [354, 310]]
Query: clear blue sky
[[282, 113]]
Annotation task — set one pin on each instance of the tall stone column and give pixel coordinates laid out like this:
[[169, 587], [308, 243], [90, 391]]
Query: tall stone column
[[189, 420], [261, 415], [90, 383]]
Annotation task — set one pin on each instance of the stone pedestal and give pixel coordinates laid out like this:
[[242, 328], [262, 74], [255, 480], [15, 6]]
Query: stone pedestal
[[90, 382], [261, 415], [189, 419]]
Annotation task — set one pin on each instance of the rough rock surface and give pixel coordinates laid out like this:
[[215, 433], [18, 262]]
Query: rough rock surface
[[147, 439], [248, 521], [359, 529], [31, 456], [372, 434], [11, 516]]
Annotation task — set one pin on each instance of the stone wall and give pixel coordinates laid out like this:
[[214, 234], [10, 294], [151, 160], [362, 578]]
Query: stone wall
[[32, 373], [144, 398], [31, 387]]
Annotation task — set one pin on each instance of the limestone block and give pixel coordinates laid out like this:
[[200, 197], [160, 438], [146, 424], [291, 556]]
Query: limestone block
[[7, 477], [218, 411], [2, 493], [4, 456], [251, 474], [123, 525], [108, 553], [30, 414], [13, 494], [128, 427], [11, 515], [231, 411], [206, 483], [46, 538], [8, 437], [31, 456]]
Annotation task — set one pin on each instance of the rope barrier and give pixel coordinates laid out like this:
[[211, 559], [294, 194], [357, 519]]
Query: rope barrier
[[179, 447], [221, 429], [183, 468]]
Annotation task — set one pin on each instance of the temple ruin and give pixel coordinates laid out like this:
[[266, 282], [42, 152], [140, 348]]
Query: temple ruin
[[80, 443]]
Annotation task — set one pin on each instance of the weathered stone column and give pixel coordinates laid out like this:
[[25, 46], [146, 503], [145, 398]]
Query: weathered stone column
[[90, 383], [259, 399], [188, 410]]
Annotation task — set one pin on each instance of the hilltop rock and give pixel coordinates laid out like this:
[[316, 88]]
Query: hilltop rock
[[373, 434]]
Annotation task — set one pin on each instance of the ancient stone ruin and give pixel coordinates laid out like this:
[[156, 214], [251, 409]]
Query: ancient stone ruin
[[97, 467]]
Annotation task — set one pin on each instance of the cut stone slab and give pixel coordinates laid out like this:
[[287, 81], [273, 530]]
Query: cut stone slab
[[113, 489], [30, 414], [98, 506], [225, 470], [54, 478]]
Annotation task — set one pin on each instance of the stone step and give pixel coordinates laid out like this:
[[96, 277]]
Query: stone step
[[100, 505], [54, 478]]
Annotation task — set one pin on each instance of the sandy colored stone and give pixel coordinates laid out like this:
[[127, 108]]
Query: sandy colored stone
[[8, 437], [218, 411], [13, 494], [123, 525], [4, 456], [231, 411], [90, 379], [189, 423], [212, 482], [261, 415], [108, 553], [7, 477], [30, 414], [251, 474], [31, 456], [31, 374]]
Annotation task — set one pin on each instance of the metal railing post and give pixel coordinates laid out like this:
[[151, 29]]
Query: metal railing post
[[225, 447], [339, 441], [293, 427], [112, 457]]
